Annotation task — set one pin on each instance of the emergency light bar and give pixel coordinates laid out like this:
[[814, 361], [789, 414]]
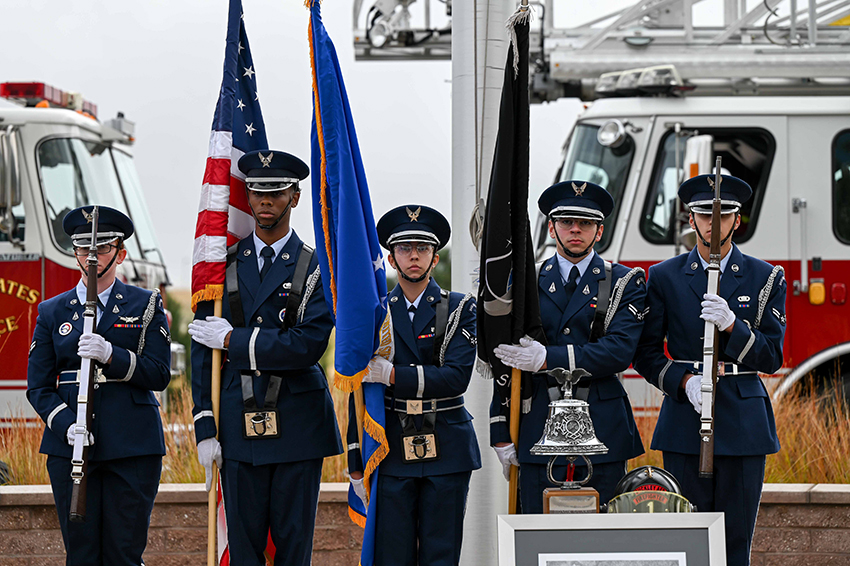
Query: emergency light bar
[[31, 94]]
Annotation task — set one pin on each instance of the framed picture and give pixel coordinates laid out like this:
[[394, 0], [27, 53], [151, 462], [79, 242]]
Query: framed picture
[[639, 539]]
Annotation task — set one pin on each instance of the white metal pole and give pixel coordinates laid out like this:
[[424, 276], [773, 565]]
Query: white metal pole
[[476, 92]]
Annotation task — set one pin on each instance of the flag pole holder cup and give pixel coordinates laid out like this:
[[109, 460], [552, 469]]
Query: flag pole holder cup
[[569, 432]]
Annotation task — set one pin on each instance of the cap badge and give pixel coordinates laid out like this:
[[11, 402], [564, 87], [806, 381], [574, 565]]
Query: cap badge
[[88, 216], [413, 214], [711, 181], [267, 161], [579, 190]]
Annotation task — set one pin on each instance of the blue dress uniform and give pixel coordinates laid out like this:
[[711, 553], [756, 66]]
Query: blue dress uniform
[[567, 324], [421, 505], [125, 461], [744, 428], [270, 484]]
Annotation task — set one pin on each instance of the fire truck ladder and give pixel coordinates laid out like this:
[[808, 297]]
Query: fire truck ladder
[[779, 47]]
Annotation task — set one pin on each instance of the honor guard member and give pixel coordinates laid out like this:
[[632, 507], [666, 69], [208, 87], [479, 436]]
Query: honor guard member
[[749, 311], [423, 481], [592, 313], [131, 350], [277, 418]]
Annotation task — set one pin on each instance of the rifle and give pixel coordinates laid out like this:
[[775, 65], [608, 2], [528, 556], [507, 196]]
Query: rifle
[[79, 462], [711, 336]]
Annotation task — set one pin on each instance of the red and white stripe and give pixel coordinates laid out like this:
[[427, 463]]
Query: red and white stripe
[[224, 217]]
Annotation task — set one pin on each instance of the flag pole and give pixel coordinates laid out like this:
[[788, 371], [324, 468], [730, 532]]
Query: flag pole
[[513, 483], [215, 386]]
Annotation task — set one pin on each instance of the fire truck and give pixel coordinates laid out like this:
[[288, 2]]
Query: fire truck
[[765, 85], [55, 155]]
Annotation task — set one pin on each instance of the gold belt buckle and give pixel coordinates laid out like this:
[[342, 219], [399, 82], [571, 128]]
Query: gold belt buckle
[[414, 407]]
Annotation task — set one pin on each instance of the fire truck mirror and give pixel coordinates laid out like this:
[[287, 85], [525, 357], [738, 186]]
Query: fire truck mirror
[[688, 237], [10, 187]]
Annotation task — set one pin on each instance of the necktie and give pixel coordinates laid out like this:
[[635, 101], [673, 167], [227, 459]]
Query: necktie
[[412, 310], [268, 254], [571, 285]]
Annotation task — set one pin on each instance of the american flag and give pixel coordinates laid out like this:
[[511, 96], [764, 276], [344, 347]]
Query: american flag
[[223, 214]]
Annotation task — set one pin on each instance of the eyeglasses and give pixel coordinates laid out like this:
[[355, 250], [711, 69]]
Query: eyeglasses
[[568, 223], [102, 249], [407, 249]]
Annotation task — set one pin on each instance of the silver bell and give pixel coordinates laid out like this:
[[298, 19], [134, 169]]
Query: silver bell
[[569, 429]]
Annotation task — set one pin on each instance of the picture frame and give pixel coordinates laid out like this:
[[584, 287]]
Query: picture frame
[[639, 539]]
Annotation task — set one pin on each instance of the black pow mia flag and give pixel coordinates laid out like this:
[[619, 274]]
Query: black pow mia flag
[[508, 306]]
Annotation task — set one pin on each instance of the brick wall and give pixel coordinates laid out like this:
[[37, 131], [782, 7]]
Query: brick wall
[[29, 528], [800, 524]]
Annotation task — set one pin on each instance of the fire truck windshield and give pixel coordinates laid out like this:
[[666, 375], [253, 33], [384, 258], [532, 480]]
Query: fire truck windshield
[[76, 172], [588, 160], [136, 201]]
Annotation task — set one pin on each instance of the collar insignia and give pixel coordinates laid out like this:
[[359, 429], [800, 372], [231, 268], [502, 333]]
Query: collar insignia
[[586, 290], [579, 190], [267, 161], [413, 214], [552, 288], [115, 310], [75, 317], [735, 267]]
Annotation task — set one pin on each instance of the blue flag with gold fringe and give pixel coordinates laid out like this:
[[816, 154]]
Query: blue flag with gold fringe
[[350, 258]]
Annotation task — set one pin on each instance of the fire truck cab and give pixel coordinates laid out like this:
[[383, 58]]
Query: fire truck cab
[[54, 158], [793, 151]]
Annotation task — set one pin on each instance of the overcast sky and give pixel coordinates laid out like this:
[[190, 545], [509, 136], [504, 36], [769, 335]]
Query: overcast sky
[[160, 62]]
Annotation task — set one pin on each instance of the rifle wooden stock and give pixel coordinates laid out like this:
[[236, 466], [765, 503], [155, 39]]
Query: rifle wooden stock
[[85, 395], [513, 482], [710, 340]]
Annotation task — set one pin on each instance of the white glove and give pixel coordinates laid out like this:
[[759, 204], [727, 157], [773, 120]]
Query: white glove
[[530, 355], [94, 347], [209, 450], [210, 332], [716, 310], [69, 434], [694, 392], [360, 490], [507, 457], [379, 371]]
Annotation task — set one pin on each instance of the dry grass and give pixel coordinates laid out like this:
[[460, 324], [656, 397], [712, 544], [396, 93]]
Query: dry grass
[[19, 445]]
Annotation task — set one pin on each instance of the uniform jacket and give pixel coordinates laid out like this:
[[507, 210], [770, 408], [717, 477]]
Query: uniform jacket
[[414, 345], [744, 424], [126, 413], [567, 328], [262, 348]]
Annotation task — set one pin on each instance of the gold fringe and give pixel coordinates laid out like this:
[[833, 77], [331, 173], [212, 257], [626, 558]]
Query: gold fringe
[[208, 293], [323, 197], [357, 518], [349, 383], [376, 431]]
